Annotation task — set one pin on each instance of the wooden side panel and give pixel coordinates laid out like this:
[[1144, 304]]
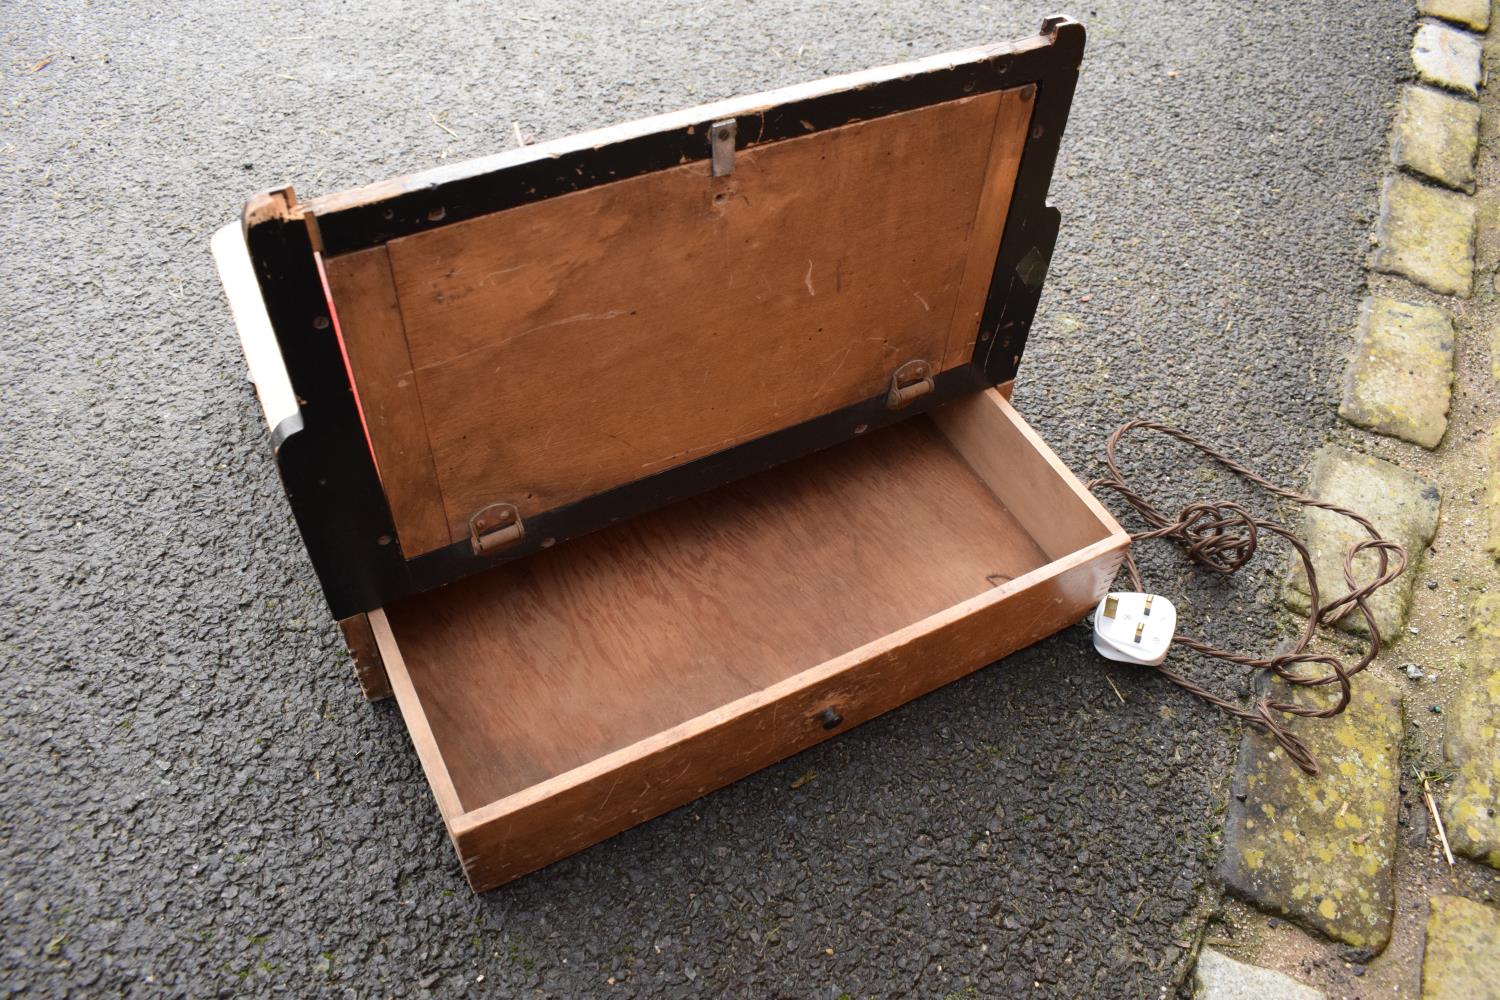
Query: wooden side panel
[[566, 814], [428, 754], [369, 323], [989, 226], [1025, 474], [577, 343]]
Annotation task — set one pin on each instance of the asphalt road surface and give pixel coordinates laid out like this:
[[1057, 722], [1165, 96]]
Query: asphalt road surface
[[194, 799]]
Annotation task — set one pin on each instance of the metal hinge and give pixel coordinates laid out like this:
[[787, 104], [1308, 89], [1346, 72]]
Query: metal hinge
[[721, 143], [494, 527], [911, 380]]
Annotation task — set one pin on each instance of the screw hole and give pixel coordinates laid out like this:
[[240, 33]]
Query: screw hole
[[721, 198], [383, 540], [861, 428], [320, 322], [436, 215], [547, 543], [389, 214], [1036, 133]]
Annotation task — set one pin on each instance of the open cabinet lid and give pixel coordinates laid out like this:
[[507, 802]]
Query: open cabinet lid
[[499, 355]]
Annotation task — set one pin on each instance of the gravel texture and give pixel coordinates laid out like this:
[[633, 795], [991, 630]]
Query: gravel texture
[[195, 799]]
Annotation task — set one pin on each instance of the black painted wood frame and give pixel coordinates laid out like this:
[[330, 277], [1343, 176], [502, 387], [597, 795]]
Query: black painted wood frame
[[321, 451]]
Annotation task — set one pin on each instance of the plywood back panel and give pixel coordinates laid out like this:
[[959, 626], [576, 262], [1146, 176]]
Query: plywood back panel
[[582, 342]]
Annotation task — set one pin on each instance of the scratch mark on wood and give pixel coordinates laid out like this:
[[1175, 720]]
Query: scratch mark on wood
[[612, 787], [836, 368], [496, 345]]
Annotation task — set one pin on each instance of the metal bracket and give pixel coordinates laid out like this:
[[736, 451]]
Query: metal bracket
[[721, 139], [1032, 269], [495, 527], [911, 380]]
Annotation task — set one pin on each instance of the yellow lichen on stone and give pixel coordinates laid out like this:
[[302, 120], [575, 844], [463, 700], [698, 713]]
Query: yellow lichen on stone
[[1300, 863], [1492, 491], [1426, 234], [1400, 379], [1473, 799], [1402, 506], [1462, 955]]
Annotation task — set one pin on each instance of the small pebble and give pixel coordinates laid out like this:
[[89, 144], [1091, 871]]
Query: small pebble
[[1273, 922], [1432, 585], [1413, 671], [1359, 970]]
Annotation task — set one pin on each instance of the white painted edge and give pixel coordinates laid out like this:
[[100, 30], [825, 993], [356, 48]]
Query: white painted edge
[[257, 339]]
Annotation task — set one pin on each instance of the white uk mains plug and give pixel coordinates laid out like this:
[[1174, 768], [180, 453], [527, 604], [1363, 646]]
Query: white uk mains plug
[[1134, 628]]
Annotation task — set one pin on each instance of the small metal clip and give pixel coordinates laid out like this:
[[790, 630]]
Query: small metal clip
[[721, 138], [494, 527], [911, 380]]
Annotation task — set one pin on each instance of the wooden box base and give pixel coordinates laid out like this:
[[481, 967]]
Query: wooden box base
[[560, 699]]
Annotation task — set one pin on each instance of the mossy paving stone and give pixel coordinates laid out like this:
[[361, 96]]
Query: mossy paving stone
[[1492, 490], [1403, 507], [1473, 799], [1437, 136], [1426, 234], [1469, 13], [1461, 960], [1400, 380], [1319, 849]]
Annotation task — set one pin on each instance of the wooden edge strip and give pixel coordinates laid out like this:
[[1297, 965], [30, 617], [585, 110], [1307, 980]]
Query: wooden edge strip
[[257, 340], [1003, 404], [371, 328], [1041, 492], [853, 660], [426, 745], [1013, 115], [729, 108], [369, 669]]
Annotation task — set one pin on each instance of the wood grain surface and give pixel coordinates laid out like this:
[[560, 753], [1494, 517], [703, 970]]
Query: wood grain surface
[[571, 345], [368, 319], [541, 824], [539, 666], [561, 699]]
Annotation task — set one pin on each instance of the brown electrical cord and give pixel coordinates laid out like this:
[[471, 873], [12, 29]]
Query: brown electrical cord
[[1222, 537]]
